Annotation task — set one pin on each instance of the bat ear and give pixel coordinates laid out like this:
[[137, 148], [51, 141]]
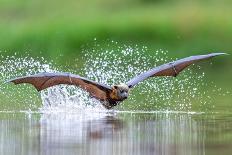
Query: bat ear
[[115, 87]]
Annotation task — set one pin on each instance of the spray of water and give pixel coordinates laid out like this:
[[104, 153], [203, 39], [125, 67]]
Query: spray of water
[[110, 65], [20, 98], [117, 64]]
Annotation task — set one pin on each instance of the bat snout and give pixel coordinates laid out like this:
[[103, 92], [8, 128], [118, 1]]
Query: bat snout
[[124, 95]]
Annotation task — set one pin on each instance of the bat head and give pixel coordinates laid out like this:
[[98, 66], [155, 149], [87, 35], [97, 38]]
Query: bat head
[[120, 92]]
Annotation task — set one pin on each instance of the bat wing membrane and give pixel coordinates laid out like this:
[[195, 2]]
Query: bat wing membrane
[[42, 81], [170, 69]]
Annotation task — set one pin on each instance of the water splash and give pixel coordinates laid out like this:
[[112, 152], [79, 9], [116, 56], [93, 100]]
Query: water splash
[[23, 97], [65, 98], [111, 64], [115, 64]]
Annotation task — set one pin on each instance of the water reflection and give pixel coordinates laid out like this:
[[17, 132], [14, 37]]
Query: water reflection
[[122, 133], [77, 134]]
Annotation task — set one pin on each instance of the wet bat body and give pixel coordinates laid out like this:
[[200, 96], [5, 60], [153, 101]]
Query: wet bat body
[[110, 96]]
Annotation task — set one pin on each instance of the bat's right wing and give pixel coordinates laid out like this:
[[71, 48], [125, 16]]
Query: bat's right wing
[[170, 69], [44, 80]]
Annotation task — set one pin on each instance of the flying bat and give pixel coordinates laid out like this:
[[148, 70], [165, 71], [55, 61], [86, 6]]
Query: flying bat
[[110, 96]]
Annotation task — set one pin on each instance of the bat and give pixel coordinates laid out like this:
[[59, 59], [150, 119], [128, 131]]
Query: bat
[[109, 95]]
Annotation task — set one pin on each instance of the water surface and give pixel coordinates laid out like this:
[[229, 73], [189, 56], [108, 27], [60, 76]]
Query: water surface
[[115, 133]]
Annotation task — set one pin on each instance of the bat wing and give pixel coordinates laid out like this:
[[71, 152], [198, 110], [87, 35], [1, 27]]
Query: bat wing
[[170, 69], [44, 80]]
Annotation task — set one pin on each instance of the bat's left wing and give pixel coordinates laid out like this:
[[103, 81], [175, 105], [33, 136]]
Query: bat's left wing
[[44, 80], [170, 69]]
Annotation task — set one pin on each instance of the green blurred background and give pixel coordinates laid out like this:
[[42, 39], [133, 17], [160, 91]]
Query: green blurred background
[[58, 30], [51, 27]]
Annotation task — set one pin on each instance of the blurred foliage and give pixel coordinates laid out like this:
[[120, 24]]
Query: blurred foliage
[[50, 28]]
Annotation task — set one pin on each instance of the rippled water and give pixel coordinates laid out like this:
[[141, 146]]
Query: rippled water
[[115, 133]]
